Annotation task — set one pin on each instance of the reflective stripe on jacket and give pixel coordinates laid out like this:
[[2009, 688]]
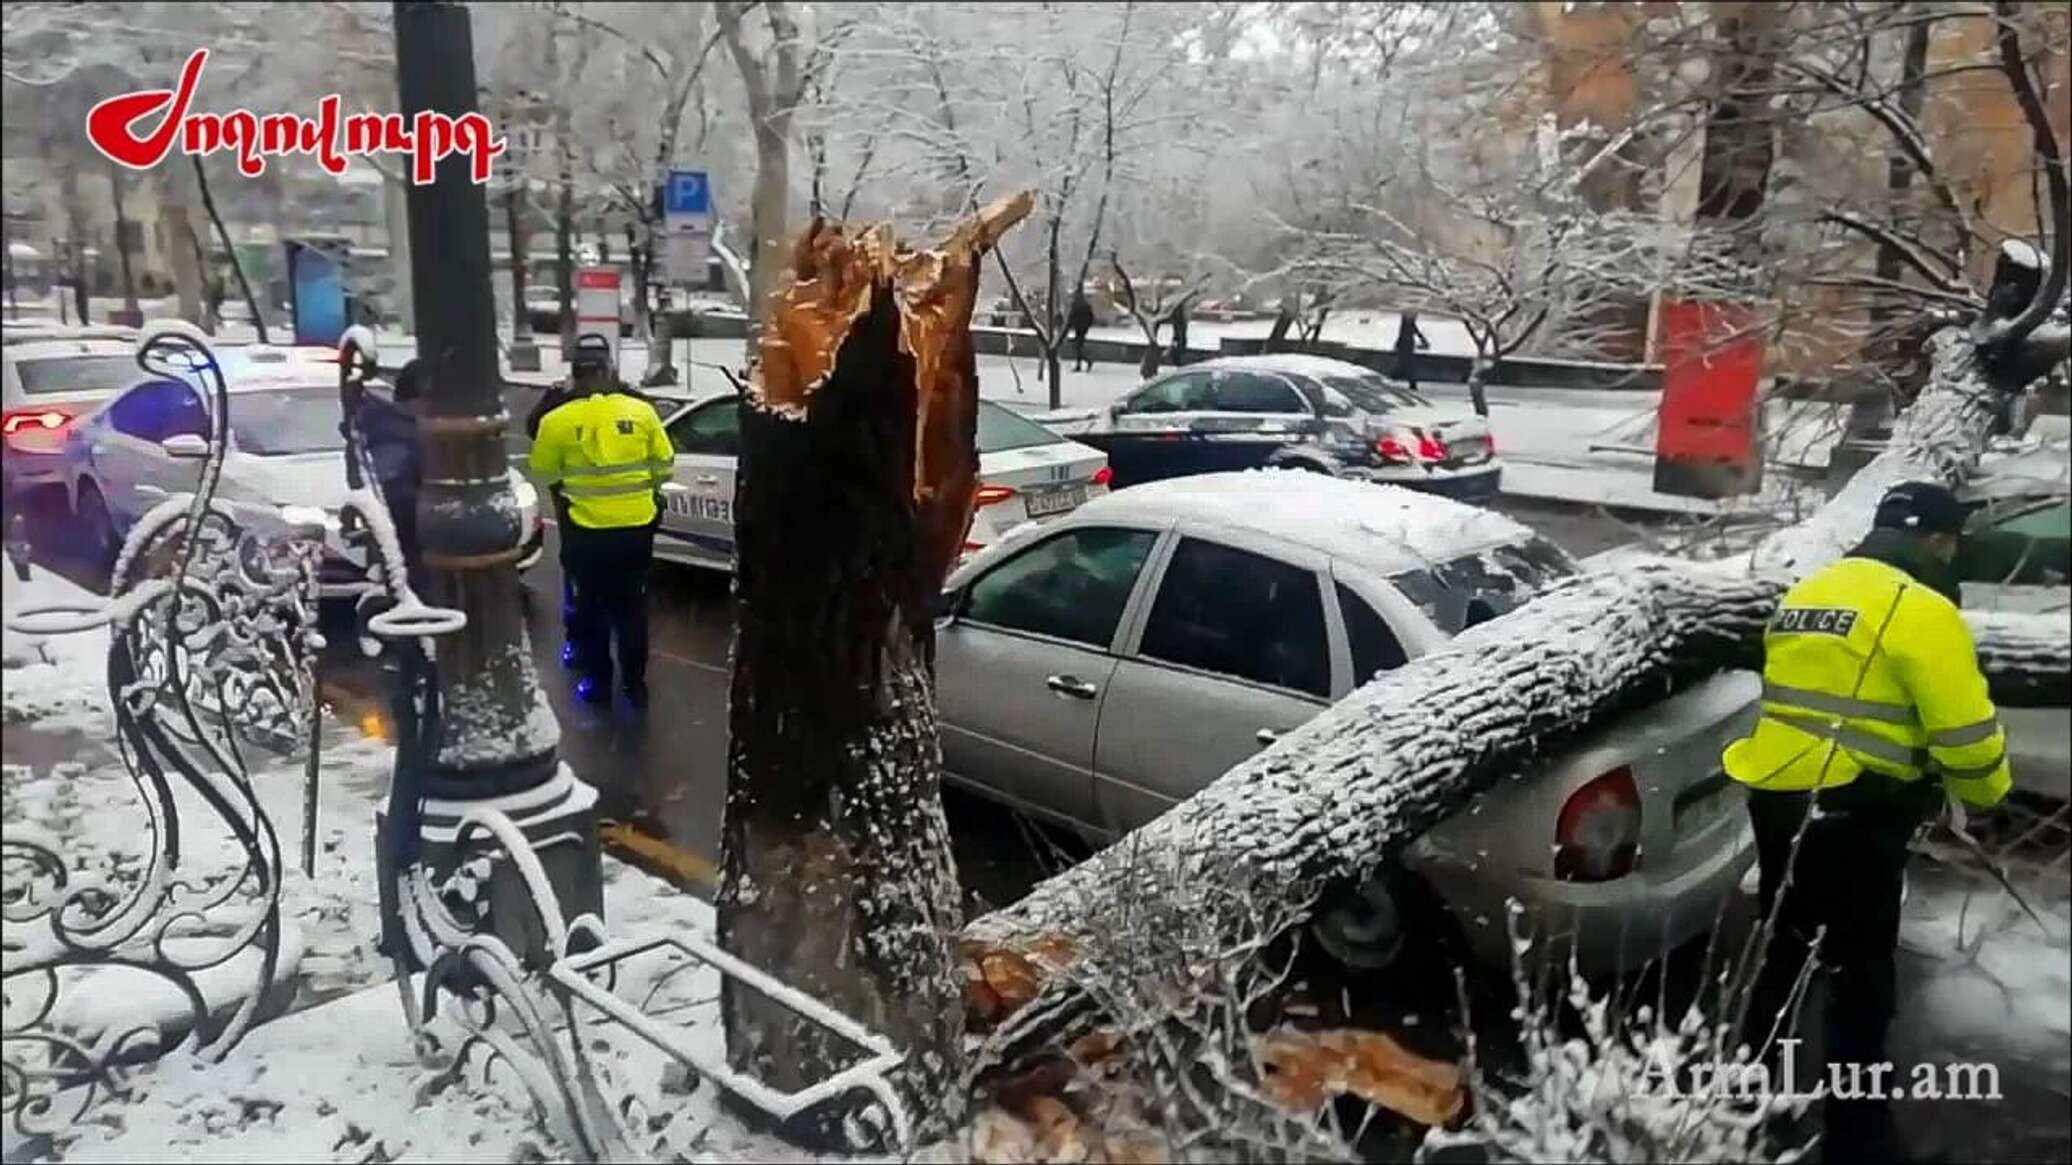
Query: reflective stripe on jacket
[[607, 454], [1866, 669]]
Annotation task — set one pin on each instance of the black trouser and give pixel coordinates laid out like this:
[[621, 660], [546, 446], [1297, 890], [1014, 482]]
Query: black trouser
[[610, 569], [1847, 877], [1079, 360], [1406, 369]]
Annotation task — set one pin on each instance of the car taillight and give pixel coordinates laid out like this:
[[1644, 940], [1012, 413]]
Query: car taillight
[[1391, 449], [990, 495], [35, 420], [1430, 448], [1597, 835], [1103, 476]]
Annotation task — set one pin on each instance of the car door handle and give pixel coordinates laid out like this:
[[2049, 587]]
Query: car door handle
[[150, 491], [1071, 686], [1266, 735]]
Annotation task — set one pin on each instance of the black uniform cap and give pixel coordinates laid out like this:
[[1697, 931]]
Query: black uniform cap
[[1920, 506], [592, 352]]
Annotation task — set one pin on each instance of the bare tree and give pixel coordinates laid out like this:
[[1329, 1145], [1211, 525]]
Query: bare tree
[[772, 63]]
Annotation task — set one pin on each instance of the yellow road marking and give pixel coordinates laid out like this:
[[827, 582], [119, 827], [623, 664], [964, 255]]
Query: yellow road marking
[[657, 856]]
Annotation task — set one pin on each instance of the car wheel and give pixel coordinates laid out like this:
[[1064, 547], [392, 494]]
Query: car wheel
[[1386, 923], [98, 541]]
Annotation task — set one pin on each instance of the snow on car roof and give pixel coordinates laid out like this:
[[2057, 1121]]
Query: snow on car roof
[[1384, 527], [1299, 363]]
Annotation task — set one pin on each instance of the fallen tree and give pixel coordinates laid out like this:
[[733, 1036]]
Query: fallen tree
[[1338, 799], [858, 472]]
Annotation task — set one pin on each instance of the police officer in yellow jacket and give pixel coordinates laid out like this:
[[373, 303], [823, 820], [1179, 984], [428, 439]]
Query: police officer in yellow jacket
[[1873, 706], [606, 456]]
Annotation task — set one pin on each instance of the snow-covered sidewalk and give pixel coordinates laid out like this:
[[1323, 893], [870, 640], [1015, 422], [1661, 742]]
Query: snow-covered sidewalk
[[336, 1078]]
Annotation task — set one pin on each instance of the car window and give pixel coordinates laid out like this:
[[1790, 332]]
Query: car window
[[1251, 392], [2021, 542], [67, 374], [286, 421], [157, 410], [1376, 395], [1185, 393], [1240, 614], [1375, 648], [714, 428], [1475, 588], [1072, 586], [1000, 429], [1442, 606]]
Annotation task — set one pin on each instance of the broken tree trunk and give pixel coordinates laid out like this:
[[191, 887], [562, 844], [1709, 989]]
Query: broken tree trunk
[[857, 477], [1338, 798]]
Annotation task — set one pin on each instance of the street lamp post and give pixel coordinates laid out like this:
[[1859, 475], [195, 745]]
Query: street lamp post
[[498, 741]]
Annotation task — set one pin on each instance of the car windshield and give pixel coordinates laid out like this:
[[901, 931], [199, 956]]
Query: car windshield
[[1375, 395], [66, 374], [1000, 429], [1474, 588], [282, 422]]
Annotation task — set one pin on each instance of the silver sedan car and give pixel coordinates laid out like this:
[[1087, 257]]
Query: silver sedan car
[[1097, 670]]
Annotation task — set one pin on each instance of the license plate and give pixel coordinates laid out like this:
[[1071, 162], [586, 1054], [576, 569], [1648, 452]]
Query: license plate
[[701, 508], [1056, 501], [1225, 424], [1702, 804]]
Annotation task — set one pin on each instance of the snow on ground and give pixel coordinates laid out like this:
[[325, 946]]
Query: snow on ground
[[60, 680], [336, 1079], [1995, 985]]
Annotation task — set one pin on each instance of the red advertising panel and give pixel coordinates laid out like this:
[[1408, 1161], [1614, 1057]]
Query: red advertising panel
[[1707, 442]]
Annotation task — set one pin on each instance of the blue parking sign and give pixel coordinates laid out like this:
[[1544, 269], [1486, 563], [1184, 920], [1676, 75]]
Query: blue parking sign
[[687, 193]]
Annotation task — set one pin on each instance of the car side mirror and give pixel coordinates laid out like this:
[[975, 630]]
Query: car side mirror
[[186, 446], [944, 606]]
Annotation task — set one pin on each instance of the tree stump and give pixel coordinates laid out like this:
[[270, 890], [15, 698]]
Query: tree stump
[[856, 484]]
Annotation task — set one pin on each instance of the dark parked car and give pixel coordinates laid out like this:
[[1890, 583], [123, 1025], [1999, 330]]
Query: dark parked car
[[1291, 411]]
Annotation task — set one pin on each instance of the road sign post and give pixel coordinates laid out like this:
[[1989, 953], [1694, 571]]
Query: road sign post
[[686, 226], [597, 305]]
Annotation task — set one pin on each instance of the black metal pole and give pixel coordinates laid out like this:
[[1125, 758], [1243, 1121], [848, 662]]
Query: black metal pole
[[498, 737]]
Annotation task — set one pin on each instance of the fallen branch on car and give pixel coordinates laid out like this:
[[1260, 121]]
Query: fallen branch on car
[[1338, 799]]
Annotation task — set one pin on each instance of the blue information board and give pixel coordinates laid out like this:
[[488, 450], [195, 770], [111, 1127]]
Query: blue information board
[[687, 193], [316, 288]]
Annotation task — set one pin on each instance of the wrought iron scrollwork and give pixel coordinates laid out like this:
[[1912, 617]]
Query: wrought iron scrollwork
[[211, 636]]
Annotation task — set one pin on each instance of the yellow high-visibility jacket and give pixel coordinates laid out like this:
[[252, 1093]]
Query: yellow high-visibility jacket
[[1867, 669], [607, 453]]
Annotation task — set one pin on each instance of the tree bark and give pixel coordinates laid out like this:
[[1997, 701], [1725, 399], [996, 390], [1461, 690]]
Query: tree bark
[[514, 236], [183, 249], [565, 256], [116, 190], [769, 215], [858, 472], [1338, 798], [237, 266]]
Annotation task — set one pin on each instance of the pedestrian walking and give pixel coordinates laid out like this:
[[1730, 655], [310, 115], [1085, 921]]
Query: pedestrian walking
[[389, 429], [605, 455], [1283, 321], [1078, 321], [1409, 342], [1178, 322], [1873, 709]]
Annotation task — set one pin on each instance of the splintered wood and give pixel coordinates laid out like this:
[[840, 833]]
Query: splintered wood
[[835, 272], [1305, 1069]]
